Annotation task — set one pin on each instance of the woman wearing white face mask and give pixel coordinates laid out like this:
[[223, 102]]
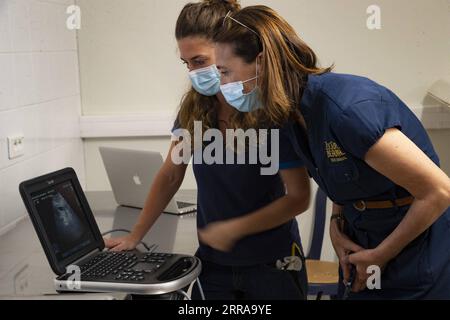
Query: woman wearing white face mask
[[246, 220], [365, 149]]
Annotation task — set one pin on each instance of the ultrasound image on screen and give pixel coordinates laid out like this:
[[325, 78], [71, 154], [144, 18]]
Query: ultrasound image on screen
[[63, 219]]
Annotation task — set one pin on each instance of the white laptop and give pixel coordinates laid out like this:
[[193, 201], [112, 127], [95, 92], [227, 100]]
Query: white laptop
[[131, 173]]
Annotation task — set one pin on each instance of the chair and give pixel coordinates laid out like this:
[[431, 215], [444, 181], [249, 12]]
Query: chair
[[323, 276]]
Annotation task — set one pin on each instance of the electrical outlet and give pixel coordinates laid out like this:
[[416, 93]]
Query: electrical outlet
[[16, 147]]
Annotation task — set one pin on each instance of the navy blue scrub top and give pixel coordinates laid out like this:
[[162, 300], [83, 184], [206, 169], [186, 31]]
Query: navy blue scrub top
[[226, 191], [345, 116]]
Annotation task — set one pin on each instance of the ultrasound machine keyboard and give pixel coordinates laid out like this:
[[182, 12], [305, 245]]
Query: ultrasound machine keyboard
[[122, 266]]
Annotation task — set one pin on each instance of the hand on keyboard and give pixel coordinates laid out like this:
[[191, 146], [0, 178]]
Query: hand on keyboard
[[126, 243]]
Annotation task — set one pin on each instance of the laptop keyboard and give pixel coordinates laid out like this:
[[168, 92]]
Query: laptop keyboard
[[121, 266], [182, 205]]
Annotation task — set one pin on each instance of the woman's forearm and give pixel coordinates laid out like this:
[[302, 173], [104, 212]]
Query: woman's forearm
[[420, 216], [273, 215], [161, 192], [399, 159]]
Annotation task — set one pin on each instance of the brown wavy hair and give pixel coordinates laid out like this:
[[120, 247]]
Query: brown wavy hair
[[199, 19], [286, 59]]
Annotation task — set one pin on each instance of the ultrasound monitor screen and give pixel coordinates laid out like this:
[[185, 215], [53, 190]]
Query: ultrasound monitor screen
[[63, 219]]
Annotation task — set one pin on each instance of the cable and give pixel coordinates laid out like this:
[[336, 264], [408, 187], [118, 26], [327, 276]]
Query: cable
[[147, 247], [200, 288], [184, 294]]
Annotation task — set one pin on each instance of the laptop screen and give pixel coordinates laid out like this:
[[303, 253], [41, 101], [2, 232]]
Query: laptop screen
[[63, 219]]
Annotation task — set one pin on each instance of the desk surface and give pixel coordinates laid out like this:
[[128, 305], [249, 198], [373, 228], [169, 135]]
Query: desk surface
[[24, 270]]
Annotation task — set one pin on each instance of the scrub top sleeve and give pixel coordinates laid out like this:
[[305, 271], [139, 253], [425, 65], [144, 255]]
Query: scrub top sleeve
[[175, 129], [289, 157], [361, 125]]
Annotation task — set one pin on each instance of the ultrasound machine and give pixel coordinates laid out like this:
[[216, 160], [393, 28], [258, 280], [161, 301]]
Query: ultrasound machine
[[76, 251]]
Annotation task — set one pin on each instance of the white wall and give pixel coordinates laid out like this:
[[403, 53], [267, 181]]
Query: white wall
[[441, 142], [39, 97], [128, 56], [129, 61]]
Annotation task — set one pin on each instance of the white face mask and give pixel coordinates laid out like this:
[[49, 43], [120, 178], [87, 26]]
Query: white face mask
[[244, 102]]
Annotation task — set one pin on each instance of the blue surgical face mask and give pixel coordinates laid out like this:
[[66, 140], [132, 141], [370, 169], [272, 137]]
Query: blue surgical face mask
[[206, 81], [244, 102]]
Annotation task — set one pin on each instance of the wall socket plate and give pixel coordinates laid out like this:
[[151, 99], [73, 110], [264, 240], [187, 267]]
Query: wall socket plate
[[16, 146]]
